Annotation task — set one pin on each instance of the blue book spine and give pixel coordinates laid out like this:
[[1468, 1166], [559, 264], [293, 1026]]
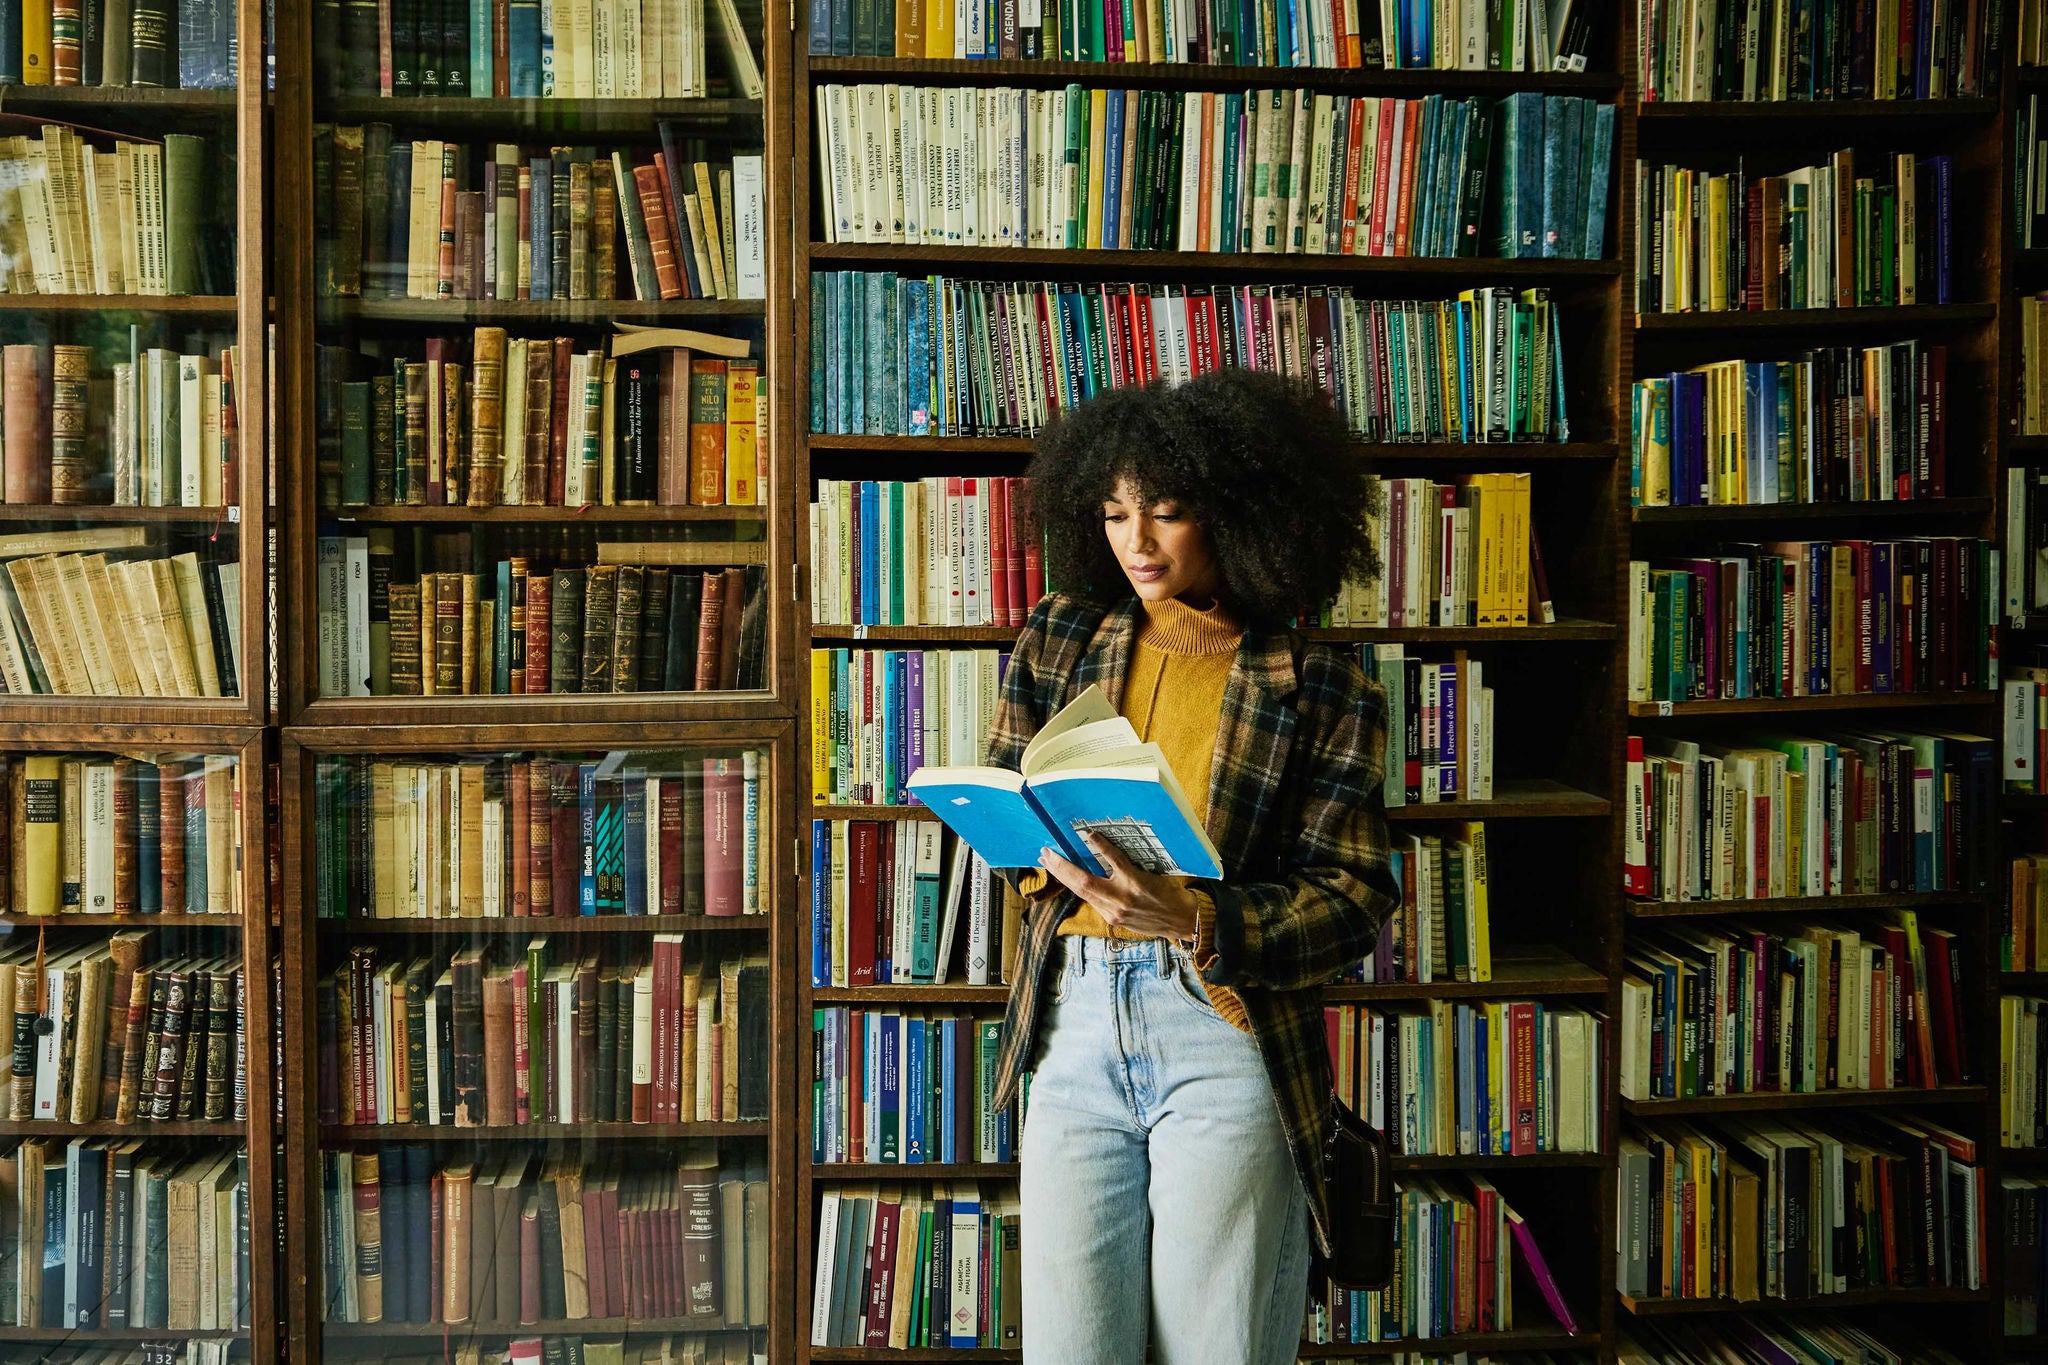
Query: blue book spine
[[501, 632], [821, 903], [393, 1212], [917, 360], [820, 339], [1599, 176], [522, 34], [10, 41], [1561, 126], [56, 1255], [1942, 189], [1419, 34], [1529, 173], [879, 333], [892, 714], [870, 553], [821, 28], [611, 847], [1233, 120], [636, 842], [916, 1141], [482, 70], [195, 838], [842, 27], [890, 346], [398, 176], [586, 804], [149, 890], [832, 1139], [889, 1104], [547, 50], [828, 347], [1467, 390], [948, 1128], [542, 224], [855, 311], [915, 756]]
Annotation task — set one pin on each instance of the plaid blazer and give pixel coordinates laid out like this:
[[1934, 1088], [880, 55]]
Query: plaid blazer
[[1296, 813]]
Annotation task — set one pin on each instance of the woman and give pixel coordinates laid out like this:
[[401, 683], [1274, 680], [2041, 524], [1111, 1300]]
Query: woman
[[1180, 1084]]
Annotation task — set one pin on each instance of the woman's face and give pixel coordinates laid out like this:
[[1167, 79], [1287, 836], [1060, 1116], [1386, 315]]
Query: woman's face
[[1163, 551]]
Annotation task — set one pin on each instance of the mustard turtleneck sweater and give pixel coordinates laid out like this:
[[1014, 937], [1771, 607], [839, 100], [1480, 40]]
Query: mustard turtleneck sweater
[[1173, 696]]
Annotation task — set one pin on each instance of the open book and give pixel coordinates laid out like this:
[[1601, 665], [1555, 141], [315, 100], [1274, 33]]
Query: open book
[[1086, 770]]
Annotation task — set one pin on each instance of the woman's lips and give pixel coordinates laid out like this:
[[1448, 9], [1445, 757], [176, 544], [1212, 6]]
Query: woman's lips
[[1146, 573]]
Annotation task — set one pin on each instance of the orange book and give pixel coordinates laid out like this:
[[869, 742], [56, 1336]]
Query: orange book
[[707, 431], [910, 28], [660, 238], [742, 437]]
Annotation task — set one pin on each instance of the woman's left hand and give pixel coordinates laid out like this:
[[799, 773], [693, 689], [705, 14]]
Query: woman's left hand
[[1129, 898]]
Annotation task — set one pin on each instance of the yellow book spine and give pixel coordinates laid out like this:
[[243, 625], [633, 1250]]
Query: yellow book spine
[[1479, 939], [742, 435], [821, 725], [38, 48], [1098, 120], [1515, 549]]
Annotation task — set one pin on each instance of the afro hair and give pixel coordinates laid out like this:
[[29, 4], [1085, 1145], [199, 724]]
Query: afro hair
[[1262, 463]]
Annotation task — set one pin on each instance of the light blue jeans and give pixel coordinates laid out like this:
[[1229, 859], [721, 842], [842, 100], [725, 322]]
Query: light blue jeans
[[1157, 1186]]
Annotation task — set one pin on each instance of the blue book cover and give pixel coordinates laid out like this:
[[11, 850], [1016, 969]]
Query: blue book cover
[[482, 71], [842, 27], [917, 363], [854, 310], [394, 1212], [195, 838], [1507, 179], [1942, 192], [611, 847], [55, 1253], [875, 333], [501, 632], [636, 841], [820, 311], [949, 1125], [1560, 156], [541, 173], [892, 693], [1599, 174], [1421, 34], [829, 1120], [890, 346], [586, 810], [821, 28], [522, 33], [205, 29], [835, 353], [821, 903], [889, 1108], [870, 565], [1534, 114], [915, 1109]]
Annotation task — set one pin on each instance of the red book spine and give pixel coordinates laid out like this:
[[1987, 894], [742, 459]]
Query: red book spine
[[856, 1115], [614, 1256], [724, 835], [661, 238], [539, 837], [437, 1244], [518, 780], [670, 828], [635, 1257], [1522, 1053], [529, 1268], [672, 1255], [501, 50], [1383, 157], [1034, 548], [1015, 491], [522, 1048], [596, 1258], [881, 1272], [862, 853], [366, 1038], [999, 552], [558, 423], [1937, 422]]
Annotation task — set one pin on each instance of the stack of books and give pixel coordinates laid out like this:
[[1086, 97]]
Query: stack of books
[[935, 551], [1406, 34], [1463, 553], [98, 834], [1838, 813], [1444, 930], [1816, 237], [515, 1239], [1743, 1010], [639, 620], [113, 1234], [660, 417], [878, 715], [516, 836], [1287, 171], [2022, 1066], [1812, 618], [1753, 1209], [589, 49], [1499, 1078], [895, 355], [440, 220], [920, 1264], [891, 899], [136, 218], [1844, 424], [482, 1038], [110, 625], [1859, 50], [1439, 718], [911, 1088]]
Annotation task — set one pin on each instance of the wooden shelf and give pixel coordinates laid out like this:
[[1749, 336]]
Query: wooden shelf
[[225, 1128], [549, 924], [1900, 1296], [524, 515], [1805, 319], [1504, 452], [1773, 112], [1516, 971], [928, 1170], [1569, 629], [1813, 511], [1804, 905], [101, 512], [536, 1132], [622, 119], [560, 313], [1823, 1099], [1060, 261], [185, 305], [1366, 80], [1529, 799], [81, 920], [1515, 799], [920, 996], [1846, 701], [583, 1327], [90, 1336], [75, 100]]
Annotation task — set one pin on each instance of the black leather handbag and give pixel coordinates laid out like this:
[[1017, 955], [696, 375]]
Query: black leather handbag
[[1358, 1173]]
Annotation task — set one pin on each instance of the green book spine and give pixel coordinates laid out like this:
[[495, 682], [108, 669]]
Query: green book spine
[[185, 211]]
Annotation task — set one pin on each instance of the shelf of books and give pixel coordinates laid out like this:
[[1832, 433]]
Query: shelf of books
[[1812, 840], [132, 358], [537, 1009], [138, 965], [534, 325], [1149, 200]]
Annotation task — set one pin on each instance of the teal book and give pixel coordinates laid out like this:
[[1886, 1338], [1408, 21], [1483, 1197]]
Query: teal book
[[610, 853], [586, 811], [1084, 773], [1598, 178], [821, 294], [355, 444], [1562, 122]]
